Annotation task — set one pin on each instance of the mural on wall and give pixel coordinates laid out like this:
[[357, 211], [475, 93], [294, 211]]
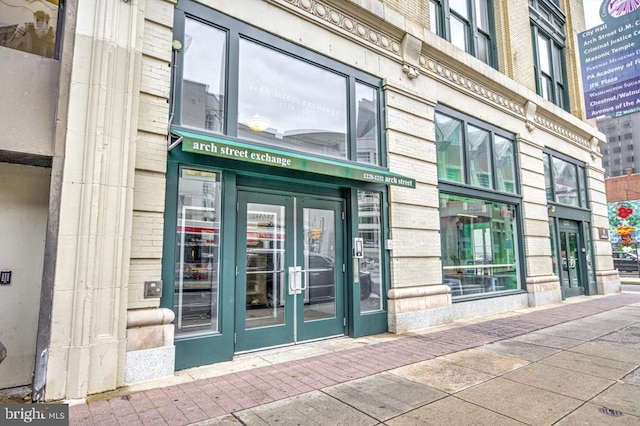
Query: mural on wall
[[624, 220]]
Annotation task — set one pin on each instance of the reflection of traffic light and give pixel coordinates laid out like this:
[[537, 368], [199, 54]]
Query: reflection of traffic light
[[316, 234]]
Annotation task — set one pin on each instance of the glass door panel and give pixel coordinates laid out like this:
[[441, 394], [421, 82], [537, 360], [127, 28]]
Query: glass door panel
[[574, 258], [265, 273], [264, 307], [289, 270], [319, 264], [564, 252], [321, 305], [572, 278]]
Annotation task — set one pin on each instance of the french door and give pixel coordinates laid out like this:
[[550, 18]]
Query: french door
[[290, 269]]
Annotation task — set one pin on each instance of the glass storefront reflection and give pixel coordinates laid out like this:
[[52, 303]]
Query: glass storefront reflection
[[290, 103], [367, 124], [565, 182], [203, 77], [266, 289], [479, 242], [29, 25], [197, 252], [319, 264]]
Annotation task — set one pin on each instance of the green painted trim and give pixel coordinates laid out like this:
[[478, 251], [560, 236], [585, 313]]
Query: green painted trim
[[219, 147]]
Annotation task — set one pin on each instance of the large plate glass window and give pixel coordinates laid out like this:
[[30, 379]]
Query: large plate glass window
[[32, 26], [548, 38], [479, 206], [242, 83], [277, 105], [479, 245], [197, 252], [467, 24]]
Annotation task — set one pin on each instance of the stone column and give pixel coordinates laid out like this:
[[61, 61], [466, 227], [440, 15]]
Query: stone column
[[543, 287], [88, 333]]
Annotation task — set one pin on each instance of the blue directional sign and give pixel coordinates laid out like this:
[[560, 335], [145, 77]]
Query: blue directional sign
[[610, 60]]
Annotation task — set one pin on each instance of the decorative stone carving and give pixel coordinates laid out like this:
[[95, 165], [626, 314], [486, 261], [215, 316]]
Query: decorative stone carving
[[466, 84], [410, 71], [410, 50], [350, 24], [530, 114]]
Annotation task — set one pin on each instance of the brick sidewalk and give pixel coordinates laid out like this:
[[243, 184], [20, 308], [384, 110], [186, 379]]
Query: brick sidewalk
[[209, 398]]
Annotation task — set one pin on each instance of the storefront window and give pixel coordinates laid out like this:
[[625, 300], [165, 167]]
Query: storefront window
[[197, 252], [450, 149], [582, 182], [479, 246], [505, 166], [367, 124], [242, 83], [479, 154], [278, 105], [565, 181], [30, 26], [474, 153], [370, 230], [547, 177], [203, 77]]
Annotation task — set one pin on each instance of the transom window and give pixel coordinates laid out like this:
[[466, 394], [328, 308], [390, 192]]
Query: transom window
[[243, 83], [474, 153], [565, 180], [467, 24], [548, 38]]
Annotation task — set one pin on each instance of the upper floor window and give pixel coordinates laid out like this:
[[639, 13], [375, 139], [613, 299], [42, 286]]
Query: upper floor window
[[548, 38], [243, 83], [474, 153], [31, 26], [467, 24], [565, 179]]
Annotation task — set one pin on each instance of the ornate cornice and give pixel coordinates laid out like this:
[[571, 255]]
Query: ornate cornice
[[526, 112], [461, 81], [562, 131], [341, 21]]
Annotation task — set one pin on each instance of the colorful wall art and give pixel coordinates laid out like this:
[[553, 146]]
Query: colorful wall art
[[624, 221]]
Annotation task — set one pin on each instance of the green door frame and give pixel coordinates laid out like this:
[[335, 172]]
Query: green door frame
[[199, 350], [582, 285], [276, 334]]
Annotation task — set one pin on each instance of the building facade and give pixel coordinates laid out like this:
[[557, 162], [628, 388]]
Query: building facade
[[226, 176], [622, 136]]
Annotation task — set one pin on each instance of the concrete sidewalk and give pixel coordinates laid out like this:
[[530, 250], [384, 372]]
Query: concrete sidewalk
[[577, 363]]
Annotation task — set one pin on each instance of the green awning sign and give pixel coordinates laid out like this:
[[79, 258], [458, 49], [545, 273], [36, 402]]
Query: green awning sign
[[218, 147]]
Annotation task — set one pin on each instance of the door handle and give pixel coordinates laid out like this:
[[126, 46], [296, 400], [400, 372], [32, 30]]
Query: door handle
[[295, 279]]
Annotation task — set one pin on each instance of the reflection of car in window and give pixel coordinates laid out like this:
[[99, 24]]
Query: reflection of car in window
[[626, 262], [321, 275]]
